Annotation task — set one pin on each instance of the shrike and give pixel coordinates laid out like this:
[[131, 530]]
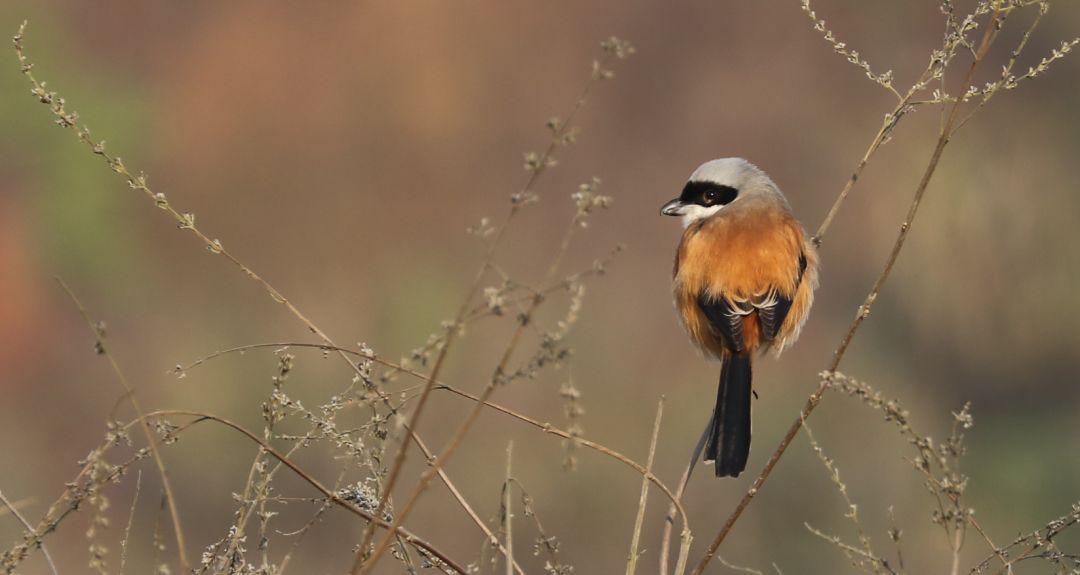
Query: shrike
[[744, 280]]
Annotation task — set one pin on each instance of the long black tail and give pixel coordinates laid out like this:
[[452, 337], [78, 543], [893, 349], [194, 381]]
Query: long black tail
[[729, 439]]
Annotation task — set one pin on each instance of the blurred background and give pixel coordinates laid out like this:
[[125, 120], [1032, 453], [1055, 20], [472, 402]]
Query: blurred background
[[341, 149]]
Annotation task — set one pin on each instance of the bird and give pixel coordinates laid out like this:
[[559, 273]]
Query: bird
[[743, 284]]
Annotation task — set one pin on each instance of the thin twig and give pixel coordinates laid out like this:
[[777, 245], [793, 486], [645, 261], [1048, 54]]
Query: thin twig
[[739, 568], [895, 534], [408, 536], [852, 512], [248, 508], [70, 499], [468, 508], [886, 128], [131, 520], [1035, 540], [364, 565], [851, 549], [957, 545], [129, 392], [548, 428], [632, 559], [508, 513], [303, 531], [331, 496], [439, 385], [852, 56], [665, 542], [29, 529], [544, 162], [986, 537], [16, 505]]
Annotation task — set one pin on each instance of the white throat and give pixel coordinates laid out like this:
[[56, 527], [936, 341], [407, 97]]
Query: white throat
[[694, 213]]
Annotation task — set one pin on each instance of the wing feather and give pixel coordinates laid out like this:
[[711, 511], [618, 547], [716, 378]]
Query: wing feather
[[726, 318], [774, 308]]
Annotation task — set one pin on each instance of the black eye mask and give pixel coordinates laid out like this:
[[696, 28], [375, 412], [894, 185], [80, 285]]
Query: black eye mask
[[708, 194]]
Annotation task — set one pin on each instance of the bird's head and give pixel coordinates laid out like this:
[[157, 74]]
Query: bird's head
[[717, 184]]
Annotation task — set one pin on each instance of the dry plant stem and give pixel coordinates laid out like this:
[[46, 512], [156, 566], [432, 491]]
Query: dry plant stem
[[29, 529], [864, 309], [867, 551], [740, 568], [131, 520], [249, 503], [998, 552], [249, 485], [282, 459], [1008, 66], [545, 427], [302, 533], [957, 545], [53, 517], [937, 488], [456, 439], [363, 565], [1040, 543], [907, 100], [159, 540], [632, 559], [18, 504], [852, 550], [408, 536], [414, 417], [468, 509], [886, 127], [897, 540], [508, 515], [129, 391], [548, 428], [242, 524], [665, 541], [891, 119]]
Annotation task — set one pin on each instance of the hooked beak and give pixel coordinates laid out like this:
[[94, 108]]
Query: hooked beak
[[673, 208]]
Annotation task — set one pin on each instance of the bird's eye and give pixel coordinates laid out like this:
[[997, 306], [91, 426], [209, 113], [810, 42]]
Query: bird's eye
[[710, 197]]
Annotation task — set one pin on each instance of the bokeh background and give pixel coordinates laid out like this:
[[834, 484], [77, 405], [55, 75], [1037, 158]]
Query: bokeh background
[[342, 148]]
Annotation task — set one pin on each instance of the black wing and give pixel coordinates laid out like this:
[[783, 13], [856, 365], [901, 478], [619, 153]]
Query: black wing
[[726, 319]]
